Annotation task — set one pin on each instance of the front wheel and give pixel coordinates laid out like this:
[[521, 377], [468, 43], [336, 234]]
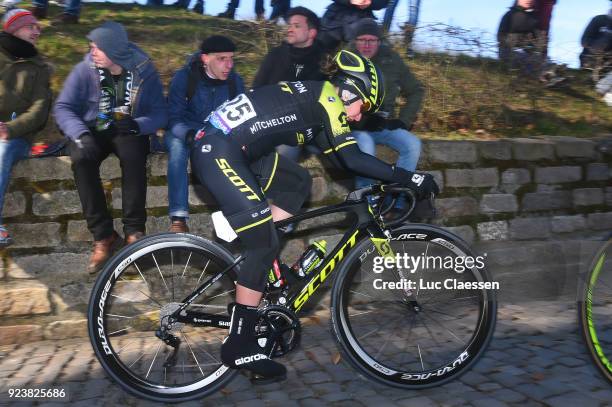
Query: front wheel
[[131, 300], [417, 317]]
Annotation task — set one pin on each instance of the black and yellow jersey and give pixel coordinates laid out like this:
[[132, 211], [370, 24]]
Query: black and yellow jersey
[[295, 113]]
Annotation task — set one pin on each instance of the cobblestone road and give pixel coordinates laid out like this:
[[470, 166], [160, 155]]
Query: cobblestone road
[[536, 358]]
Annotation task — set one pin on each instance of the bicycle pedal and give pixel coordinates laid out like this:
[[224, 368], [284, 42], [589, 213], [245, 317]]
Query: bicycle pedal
[[261, 380]]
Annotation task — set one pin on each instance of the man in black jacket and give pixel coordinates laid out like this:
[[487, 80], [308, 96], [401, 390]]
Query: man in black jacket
[[597, 41], [338, 22], [297, 59], [519, 30]]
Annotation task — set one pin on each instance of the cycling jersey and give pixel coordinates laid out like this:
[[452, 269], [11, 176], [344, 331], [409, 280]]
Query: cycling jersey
[[234, 157], [294, 113]]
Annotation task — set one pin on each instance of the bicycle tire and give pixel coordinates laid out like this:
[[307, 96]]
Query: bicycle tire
[[129, 300], [595, 310], [365, 352]]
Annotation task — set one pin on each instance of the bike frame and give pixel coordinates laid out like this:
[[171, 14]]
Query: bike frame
[[364, 225]]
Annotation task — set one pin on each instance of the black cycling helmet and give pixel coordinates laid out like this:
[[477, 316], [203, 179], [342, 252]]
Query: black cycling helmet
[[358, 78]]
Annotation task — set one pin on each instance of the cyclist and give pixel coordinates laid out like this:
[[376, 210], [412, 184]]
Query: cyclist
[[234, 157]]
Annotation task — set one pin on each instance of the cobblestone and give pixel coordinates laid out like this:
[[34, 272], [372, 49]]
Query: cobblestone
[[535, 358]]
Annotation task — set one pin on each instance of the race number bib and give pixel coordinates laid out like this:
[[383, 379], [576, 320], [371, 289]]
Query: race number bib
[[233, 113]]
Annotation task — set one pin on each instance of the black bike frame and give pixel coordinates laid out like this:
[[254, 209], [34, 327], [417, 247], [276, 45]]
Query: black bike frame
[[364, 225]]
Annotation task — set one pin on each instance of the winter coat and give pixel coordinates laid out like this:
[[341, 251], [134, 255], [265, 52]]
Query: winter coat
[[25, 96], [77, 106], [399, 80], [209, 94], [288, 63]]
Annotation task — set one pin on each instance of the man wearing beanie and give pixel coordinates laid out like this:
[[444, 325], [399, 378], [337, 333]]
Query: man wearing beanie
[[199, 87], [385, 127], [111, 102], [338, 22], [25, 98]]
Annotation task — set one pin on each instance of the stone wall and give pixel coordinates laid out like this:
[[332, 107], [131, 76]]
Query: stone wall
[[508, 190]]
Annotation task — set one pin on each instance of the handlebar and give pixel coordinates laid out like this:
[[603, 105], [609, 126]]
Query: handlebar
[[385, 190]]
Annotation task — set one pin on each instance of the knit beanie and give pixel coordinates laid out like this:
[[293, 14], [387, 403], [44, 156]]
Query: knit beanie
[[112, 39], [217, 43], [17, 18], [366, 26]]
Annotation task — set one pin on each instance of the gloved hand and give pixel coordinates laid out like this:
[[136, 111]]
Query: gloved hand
[[393, 124], [87, 146], [126, 127], [422, 184]]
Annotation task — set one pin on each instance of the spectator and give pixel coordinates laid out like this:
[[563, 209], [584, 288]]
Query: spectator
[[597, 41], [338, 22], [197, 8], [110, 103], [25, 98], [545, 9], [71, 13], [299, 58], [391, 131], [279, 9], [520, 41], [414, 6], [203, 84]]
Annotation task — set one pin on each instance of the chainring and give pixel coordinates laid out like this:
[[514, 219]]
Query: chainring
[[278, 330]]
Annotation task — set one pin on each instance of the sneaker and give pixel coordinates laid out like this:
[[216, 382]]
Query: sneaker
[[5, 238]]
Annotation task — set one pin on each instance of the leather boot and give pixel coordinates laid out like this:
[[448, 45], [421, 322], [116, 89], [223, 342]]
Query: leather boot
[[133, 237], [102, 250], [178, 226]]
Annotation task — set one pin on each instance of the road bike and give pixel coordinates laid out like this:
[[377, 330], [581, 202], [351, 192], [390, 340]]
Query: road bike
[[595, 309], [158, 311]]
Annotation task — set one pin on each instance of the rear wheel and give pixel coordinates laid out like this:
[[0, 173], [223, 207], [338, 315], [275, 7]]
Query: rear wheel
[[419, 334], [132, 298]]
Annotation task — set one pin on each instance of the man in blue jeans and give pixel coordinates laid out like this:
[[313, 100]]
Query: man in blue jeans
[[24, 104], [199, 87], [386, 129]]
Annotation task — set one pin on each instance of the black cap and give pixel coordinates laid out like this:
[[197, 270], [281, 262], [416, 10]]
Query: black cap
[[217, 43], [367, 26]]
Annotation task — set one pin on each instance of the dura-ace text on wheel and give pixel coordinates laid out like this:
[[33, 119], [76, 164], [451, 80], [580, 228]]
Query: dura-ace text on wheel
[[129, 307], [595, 310], [413, 337]]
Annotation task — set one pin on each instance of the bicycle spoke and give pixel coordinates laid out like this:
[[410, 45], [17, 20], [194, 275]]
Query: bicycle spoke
[[153, 361], [160, 272], [192, 354], [187, 263], [201, 274]]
